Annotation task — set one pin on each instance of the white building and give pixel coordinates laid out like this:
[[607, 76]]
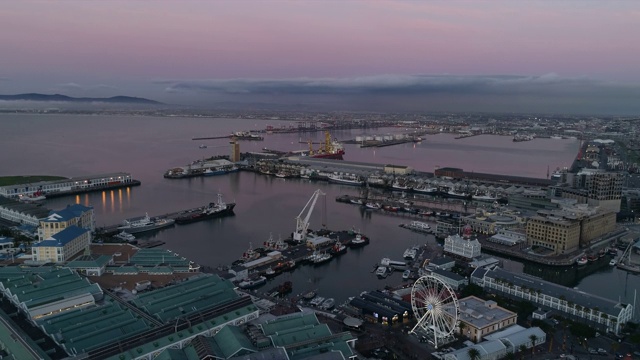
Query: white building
[[458, 246], [577, 305], [62, 246]]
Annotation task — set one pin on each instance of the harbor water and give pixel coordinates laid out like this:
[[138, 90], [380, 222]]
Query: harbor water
[[68, 145]]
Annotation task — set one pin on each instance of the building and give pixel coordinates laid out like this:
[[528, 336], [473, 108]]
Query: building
[[78, 215], [559, 234], [397, 169], [508, 237], [235, 151], [21, 213], [443, 263], [379, 307], [456, 245], [452, 279], [482, 317], [490, 223], [61, 246], [597, 225], [531, 200], [579, 306], [501, 343], [69, 186], [594, 187]]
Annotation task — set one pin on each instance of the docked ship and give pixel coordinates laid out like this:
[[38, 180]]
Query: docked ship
[[213, 210], [455, 194], [252, 283], [139, 225], [125, 236], [484, 197], [35, 197], [425, 189], [330, 149], [345, 179], [246, 135]]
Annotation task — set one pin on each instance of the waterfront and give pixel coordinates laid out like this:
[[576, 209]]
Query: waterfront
[[147, 146]]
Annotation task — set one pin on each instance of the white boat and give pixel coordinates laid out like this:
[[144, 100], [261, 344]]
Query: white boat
[[410, 253], [582, 261], [328, 304], [424, 189], [203, 146], [393, 264], [373, 206], [317, 301], [381, 272], [406, 274], [484, 197], [399, 186], [252, 283], [613, 262], [125, 236], [145, 223], [346, 179], [35, 197]]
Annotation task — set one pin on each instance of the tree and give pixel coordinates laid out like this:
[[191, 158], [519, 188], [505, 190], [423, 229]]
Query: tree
[[533, 339], [522, 349], [474, 354]]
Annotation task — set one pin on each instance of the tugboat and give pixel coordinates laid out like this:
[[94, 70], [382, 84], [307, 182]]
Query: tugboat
[[358, 241], [249, 255], [338, 249]]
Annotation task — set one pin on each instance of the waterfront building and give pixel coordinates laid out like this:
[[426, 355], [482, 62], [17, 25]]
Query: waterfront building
[[78, 215], [91, 265], [62, 246], [579, 306], [21, 213], [379, 307], [44, 292], [499, 344], [397, 169], [235, 151], [443, 263], [482, 317], [458, 246], [77, 184], [446, 227], [559, 234], [454, 280], [508, 237], [486, 222], [594, 187]]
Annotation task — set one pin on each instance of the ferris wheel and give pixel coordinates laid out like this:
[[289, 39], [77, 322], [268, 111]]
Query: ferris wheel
[[435, 306]]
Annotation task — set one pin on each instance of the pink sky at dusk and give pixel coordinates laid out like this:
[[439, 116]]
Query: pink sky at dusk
[[133, 44]]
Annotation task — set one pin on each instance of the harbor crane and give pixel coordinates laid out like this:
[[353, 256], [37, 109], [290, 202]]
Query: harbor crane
[[303, 224]]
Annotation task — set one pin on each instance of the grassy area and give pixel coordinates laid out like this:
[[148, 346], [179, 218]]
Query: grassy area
[[13, 180]]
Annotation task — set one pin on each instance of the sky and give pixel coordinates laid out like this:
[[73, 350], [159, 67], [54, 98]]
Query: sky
[[504, 56]]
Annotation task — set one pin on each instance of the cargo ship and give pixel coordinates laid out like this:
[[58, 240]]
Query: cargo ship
[[330, 149], [213, 210]]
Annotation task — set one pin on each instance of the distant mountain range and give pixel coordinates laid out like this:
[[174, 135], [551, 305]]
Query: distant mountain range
[[64, 98]]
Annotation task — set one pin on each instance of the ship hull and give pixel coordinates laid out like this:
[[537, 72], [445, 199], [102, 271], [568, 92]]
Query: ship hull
[[228, 211], [141, 229]]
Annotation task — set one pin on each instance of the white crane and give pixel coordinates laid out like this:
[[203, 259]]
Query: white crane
[[302, 225]]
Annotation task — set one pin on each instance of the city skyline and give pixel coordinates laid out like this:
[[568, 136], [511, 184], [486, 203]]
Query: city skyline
[[574, 57]]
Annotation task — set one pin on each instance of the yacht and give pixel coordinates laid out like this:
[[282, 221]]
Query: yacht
[[406, 274], [381, 272], [613, 262]]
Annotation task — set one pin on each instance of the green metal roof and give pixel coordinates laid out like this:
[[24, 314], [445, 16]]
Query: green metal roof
[[126, 270], [154, 257], [230, 340], [288, 322], [89, 261], [186, 297]]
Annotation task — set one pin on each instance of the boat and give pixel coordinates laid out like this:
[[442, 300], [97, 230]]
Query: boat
[[381, 272], [321, 258], [328, 304], [456, 194], [400, 186], [213, 210], [356, 201], [35, 197], [246, 135], [601, 253], [345, 179], [522, 137], [272, 245], [270, 273], [125, 236], [202, 146], [418, 226], [424, 189], [252, 283], [330, 149], [592, 258], [393, 265], [484, 197], [406, 274], [582, 261], [410, 253], [613, 262], [373, 206], [285, 266], [309, 295], [317, 301], [220, 170], [338, 249], [358, 241], [144, 224], [249, 255]]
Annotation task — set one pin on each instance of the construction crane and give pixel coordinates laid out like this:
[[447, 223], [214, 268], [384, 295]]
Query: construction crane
[[303, 224]]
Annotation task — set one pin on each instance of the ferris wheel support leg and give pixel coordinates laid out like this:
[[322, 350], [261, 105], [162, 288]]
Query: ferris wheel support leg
[[421, 321]]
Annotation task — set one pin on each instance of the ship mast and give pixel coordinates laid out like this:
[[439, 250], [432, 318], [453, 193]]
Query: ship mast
[[328, 147]]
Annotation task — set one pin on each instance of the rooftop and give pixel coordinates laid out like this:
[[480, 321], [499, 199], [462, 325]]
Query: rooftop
[[63, 237], [480, 313]]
